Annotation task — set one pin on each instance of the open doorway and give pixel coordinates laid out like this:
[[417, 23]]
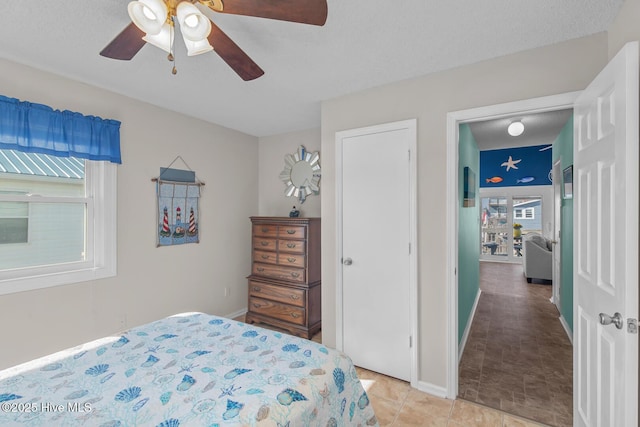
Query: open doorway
[[514, 353], [598, 373]]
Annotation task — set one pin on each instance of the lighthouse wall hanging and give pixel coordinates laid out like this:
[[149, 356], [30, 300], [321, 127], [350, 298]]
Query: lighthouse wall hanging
[[178, 207]]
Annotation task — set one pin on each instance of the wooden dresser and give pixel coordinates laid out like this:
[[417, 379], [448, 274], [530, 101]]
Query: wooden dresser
[[284, 285]]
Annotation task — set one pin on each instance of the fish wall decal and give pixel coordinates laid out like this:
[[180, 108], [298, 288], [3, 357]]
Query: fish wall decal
[[525, 180]]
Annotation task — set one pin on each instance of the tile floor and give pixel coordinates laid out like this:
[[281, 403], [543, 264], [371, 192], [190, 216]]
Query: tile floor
[[518, 357], [397, 404]]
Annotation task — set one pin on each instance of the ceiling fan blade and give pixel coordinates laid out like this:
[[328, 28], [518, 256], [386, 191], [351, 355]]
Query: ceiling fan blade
[[312, 12], [233, 55], [126, 44]]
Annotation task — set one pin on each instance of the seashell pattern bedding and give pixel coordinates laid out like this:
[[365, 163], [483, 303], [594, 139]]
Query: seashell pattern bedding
[[188, 370]]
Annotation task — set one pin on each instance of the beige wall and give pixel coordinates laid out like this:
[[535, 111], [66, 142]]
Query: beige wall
[[272, 149], [551, 70], [626, 27], [152, 282]]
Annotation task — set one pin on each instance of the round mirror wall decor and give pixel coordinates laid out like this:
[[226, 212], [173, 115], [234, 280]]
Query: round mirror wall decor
[[301, 174]]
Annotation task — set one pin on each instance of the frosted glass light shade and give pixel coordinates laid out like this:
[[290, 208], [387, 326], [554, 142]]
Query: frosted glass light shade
[[515, 128], [162, 39], [197, 48], [194, 25], [148, 15]]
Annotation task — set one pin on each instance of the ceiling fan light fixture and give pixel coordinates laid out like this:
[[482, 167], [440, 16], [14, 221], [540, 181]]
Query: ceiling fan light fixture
[[162, 39], [148, 15], [516, 128], [191, 20], [197, 48], [194, 25]]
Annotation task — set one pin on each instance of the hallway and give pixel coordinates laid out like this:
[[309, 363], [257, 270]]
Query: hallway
[[518, 357]]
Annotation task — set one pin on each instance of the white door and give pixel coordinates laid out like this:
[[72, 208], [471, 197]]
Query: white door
[[557, 220], [606, 245], [375, 237]]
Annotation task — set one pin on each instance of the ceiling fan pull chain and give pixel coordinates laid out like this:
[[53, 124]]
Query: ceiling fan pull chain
[[171, 57]]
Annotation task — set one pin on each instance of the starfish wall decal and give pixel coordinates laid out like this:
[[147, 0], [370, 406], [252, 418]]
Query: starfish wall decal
[[511, 164]]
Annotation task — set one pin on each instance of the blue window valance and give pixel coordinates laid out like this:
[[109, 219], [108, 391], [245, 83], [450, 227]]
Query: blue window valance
[[37, 128]]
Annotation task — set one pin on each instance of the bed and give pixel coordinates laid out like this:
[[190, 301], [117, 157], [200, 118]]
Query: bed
[[188, 369]]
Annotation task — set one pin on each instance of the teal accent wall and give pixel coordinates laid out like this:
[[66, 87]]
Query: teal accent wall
[[468, 231], [563, 150]]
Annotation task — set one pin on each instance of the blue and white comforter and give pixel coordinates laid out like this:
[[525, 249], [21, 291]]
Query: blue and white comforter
[[188, 370]]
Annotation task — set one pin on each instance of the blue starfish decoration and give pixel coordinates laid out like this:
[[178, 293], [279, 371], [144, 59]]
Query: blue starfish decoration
[[228, 391], [188, 368]]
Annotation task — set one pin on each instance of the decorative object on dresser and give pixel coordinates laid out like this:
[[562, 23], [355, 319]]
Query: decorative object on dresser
[[284, 285]]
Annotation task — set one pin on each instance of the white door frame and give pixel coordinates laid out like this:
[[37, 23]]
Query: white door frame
[[411, 125], [454, 119], [557, 248]]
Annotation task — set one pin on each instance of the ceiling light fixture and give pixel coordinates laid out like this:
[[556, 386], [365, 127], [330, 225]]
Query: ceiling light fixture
[[516, 128], [157, 19]]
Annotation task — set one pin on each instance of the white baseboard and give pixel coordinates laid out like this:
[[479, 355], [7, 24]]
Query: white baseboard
[[238, 313], [565, 325], [433, 390], [467, 329]]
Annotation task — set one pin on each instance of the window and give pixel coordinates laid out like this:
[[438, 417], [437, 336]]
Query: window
[[524, 213], [57, 220], [14, 222]]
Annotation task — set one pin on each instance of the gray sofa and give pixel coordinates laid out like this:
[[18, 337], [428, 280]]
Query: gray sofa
[[537, 257]]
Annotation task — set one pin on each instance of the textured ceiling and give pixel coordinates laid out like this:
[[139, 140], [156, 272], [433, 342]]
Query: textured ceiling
[[365, 43]]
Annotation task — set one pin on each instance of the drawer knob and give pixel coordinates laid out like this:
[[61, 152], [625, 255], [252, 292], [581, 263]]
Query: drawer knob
[[294, 274], [256, 289], [295, 315], [291, 231], [295, 297], [265, 229], [256, 305], [291, 245], [260, 269], [290, 259], [263, 243], [265, 256]]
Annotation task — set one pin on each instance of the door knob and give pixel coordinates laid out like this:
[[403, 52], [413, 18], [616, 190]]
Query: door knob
[[605, 319], [347, 261]]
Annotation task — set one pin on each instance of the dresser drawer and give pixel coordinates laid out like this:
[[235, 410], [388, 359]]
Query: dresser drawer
[[292, 260], [277, 293], [292, 232], [279, 272], [277, 310], [264, 256], [264, 243], [265, 230], [292, 246]]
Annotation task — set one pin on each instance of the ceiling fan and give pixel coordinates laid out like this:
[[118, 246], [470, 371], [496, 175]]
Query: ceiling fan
[[154, 22]]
